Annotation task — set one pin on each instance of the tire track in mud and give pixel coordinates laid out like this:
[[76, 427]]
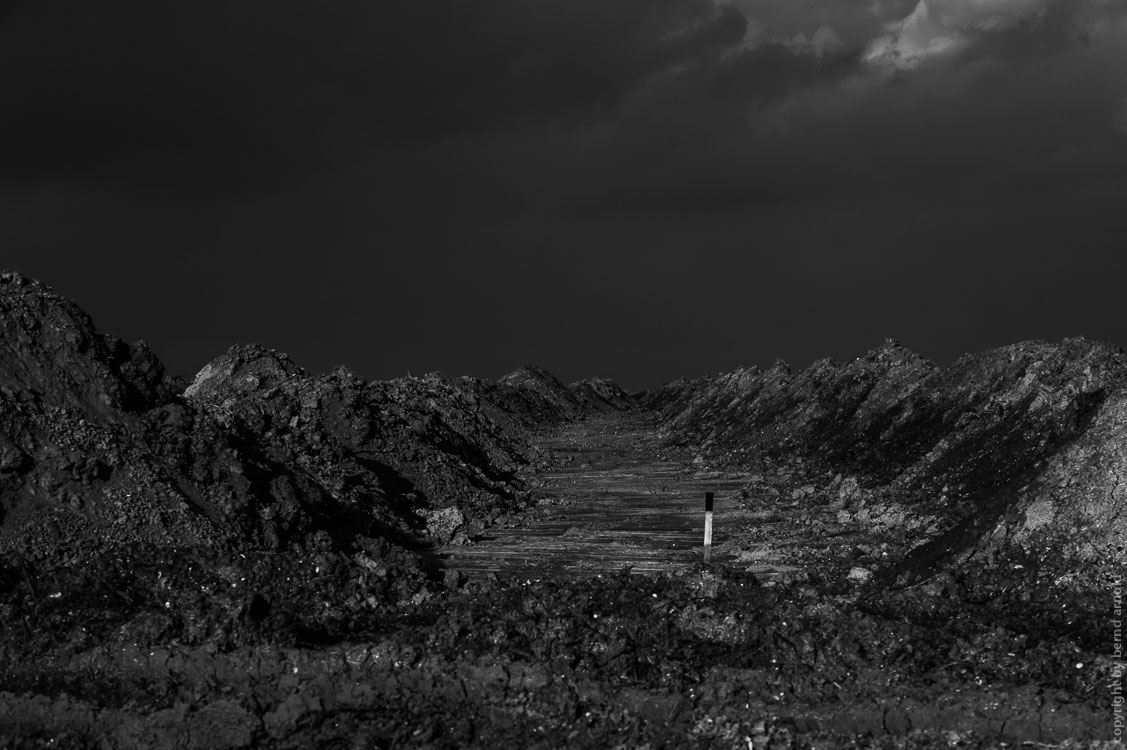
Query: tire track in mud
[[614, 499]]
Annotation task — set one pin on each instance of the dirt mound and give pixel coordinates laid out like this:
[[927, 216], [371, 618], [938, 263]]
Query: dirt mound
[[136, 506], [547, 396], [51, 353], [1068, 514], [104, 465], [98, 446], [949, 452], [95, 447], [395, 453], [602, 395], [259, 468]]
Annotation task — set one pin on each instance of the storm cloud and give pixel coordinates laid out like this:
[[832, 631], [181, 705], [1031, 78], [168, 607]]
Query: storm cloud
[[249, 88], [463, 186]]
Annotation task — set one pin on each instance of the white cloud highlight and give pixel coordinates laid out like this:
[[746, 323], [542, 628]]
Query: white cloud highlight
[[936, 28]]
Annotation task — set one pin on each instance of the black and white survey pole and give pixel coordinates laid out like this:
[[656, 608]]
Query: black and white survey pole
[[707, 527]]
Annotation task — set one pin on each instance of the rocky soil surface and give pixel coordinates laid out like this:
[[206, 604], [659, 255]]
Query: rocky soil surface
[[906, 555]]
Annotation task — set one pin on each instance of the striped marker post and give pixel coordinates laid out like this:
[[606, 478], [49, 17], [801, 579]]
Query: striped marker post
[[707, 527]]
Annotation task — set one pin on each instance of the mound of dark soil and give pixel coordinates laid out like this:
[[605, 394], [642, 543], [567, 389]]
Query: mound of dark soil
[[98, 447], [100, 452], [602, 395], [403, 456], [539, 396], [1015, 445]]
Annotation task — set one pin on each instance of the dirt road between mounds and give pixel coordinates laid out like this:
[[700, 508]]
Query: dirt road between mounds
[[608, 501], [612, 497]]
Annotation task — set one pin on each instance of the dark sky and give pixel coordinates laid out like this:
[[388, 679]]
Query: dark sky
[[641, 189]]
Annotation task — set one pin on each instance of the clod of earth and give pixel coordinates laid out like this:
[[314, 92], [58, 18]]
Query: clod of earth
[[906, 555]]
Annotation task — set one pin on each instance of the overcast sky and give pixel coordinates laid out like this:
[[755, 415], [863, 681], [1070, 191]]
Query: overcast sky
[[641, 189]]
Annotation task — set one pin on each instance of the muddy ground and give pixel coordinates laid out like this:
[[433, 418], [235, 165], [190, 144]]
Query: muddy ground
[[587, 621]]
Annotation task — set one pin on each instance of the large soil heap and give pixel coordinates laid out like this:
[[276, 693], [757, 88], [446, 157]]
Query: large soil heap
[[252, 559], [100, 450], [1016, 446]]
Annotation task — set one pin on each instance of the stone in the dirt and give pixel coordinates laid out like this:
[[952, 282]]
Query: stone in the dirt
[[443, 524]]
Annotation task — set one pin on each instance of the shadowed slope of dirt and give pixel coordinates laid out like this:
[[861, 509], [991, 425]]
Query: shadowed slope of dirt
[[97, 447], [101, 452], [409, 457], [962, 455]]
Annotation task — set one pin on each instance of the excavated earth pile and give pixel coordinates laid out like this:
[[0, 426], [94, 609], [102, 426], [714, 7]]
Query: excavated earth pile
[[1014, 450], [266, 557]]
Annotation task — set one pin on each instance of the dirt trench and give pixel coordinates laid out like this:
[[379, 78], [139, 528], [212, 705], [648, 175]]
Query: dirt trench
[[612, 497]]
